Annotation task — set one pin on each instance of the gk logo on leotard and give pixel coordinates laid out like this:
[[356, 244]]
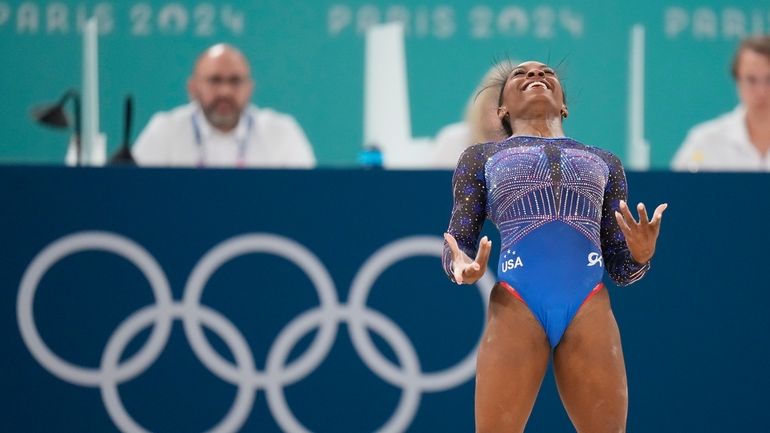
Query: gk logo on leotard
[[594, 258], [511, 263]]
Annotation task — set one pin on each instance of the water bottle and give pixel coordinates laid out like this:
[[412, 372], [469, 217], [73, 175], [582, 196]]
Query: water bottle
[[370, 157]]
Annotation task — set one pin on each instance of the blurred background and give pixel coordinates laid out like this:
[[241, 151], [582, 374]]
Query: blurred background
[[308, 60]]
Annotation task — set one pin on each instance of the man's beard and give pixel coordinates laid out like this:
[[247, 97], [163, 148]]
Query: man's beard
[[219, 120]]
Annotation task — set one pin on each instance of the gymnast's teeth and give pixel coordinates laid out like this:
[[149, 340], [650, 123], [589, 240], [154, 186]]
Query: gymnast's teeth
[[536, 83]]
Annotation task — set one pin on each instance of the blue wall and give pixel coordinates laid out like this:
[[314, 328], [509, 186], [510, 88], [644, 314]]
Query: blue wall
[[694, 330]]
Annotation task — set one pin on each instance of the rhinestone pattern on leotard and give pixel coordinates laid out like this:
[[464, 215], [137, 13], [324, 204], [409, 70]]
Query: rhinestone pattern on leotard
[[523, 183]]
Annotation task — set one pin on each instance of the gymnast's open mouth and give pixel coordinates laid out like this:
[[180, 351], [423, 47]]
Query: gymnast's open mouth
[[535, 84]]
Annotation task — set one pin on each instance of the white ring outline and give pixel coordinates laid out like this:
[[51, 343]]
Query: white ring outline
[[329, 314], [371, 270], [410, 396], [126, 331], [89, 241], [281, 247]]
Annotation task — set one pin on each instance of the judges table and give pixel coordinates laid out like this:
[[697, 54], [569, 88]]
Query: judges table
[[244, 300]]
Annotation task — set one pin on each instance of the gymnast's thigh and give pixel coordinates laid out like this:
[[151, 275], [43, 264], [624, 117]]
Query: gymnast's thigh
[[513, 358], [590, 370]]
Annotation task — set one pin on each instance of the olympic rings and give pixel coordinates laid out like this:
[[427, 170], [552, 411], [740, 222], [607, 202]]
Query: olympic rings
[[327, 317]]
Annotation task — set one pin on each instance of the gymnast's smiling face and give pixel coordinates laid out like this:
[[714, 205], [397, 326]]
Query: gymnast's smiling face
[[532, 91]]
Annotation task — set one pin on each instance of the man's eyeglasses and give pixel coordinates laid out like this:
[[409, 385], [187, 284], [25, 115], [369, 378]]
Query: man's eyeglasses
[[233, 80], [754, 81]]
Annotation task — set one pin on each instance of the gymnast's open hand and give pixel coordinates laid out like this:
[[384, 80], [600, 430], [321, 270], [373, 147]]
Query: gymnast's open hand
[[640, 236], [464, 269]]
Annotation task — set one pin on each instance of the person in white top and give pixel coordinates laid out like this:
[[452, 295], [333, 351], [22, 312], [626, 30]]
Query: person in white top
[[220, 128], [480, 125], [738, 140]]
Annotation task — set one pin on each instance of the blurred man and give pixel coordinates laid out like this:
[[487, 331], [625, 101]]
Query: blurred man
[[738, 140], [219, 128]]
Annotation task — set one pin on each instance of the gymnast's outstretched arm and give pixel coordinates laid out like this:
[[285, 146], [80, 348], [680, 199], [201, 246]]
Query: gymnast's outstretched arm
[[468, 215]]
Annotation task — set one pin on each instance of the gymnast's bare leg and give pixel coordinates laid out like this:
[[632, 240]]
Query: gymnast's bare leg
[[590, 371], [512, 361]]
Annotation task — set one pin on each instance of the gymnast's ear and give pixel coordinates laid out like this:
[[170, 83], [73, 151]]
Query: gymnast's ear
[[502, 113], [564, 112]]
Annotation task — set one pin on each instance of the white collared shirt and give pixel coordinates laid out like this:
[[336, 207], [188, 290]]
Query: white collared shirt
[[721, 144], [262, 138], [450, 143]]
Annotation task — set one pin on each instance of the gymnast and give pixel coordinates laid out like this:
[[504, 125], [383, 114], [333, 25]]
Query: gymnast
[[560, 207]]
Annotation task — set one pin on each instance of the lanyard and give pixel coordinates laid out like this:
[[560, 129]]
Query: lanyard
[[243, 143]]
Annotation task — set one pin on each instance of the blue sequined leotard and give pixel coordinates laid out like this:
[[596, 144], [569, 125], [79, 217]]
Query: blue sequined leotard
[[553, 201]]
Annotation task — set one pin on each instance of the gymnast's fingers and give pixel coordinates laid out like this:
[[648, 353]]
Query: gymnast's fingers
[[643, 218], [458, 273], [622, 223], [626, 212], [485, 248], [658, 214], [452, 242]]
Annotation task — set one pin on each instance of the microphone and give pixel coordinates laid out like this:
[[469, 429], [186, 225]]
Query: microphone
[[123, 155]]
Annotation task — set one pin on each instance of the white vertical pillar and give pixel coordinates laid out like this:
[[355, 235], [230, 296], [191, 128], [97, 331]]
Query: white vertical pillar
[[638, 148], [90, 99], [386, 99]]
